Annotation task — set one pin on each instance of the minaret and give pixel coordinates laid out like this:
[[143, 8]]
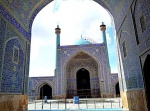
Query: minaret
[[57, 32], [103, 28]]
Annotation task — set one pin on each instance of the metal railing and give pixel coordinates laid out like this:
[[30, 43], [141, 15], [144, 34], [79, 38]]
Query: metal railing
[[83, 93], [90, 103]]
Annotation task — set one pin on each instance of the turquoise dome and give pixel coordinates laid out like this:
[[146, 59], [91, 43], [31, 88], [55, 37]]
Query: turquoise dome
[[81, 42]]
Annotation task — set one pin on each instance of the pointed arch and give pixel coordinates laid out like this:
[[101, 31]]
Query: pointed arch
[[40, 84], [81, 51], [82, 60], [45, 90], [39, 6]]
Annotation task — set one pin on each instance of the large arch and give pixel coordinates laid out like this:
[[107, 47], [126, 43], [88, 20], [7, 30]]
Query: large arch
[[21, 16], [45, 90], [82, 60], [42, 4]]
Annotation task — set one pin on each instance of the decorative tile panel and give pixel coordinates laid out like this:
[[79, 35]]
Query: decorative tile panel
[[12, 73], [96, 51], [36, 82], [141, 10]]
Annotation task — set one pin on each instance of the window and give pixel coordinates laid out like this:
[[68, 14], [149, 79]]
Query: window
[[124, 49], [142, 22], [15, 57]]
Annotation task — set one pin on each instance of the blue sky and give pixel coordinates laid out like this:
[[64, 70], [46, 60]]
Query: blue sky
[[75, 18]]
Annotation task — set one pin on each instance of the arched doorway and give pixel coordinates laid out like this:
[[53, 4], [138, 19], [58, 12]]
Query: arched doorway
[[146, 77], [117, 90], [83, 83], [46, 90], [73, 70]]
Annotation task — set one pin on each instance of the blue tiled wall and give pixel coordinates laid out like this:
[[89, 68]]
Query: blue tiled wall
[[2, 35], [131, 63], [36, 82], [12, 74], [133, 71], [100, 56]]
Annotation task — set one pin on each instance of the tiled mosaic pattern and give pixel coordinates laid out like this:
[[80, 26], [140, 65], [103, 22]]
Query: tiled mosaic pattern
[[71, 59], [15, 75], [113, 81], [22, 13], [25, 6], [81, 60], [27, 68], [21, 9], [12, 73], [96, 51], [118, 12], [7, 16], [36, 82], [22, 17], [131, 63], [141, 9]]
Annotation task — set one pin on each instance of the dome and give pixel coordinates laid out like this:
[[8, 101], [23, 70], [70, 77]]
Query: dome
[[81, 42]]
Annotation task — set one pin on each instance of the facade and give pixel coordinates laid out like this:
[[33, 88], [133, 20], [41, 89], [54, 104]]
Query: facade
[[37, 83], [132, 26], [38, 87], [82, 69]]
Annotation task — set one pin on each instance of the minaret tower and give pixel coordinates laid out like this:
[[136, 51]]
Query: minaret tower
[[57, 32], [103, 28]]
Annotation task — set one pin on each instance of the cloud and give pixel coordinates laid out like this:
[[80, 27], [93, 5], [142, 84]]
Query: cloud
[[114, 70], [79, 20], [41, 72]]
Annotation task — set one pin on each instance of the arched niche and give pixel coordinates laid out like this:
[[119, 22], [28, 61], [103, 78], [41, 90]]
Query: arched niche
[[13, 66], [45, 90], [83, 83], [75, 65], [117, 89]]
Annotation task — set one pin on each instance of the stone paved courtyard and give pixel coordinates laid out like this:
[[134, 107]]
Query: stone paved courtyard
[[92, 103]]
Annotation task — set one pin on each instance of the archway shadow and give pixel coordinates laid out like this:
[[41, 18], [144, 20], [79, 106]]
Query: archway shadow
[[83, 83], [146, 76], [46, 90], [117, 89]]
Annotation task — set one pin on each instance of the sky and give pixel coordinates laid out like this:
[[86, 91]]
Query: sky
[[75, 18]]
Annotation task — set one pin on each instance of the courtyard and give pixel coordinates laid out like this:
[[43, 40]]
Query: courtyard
[[84, 104]]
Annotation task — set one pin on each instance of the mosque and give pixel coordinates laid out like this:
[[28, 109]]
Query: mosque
[[132, 28], [81, 69]]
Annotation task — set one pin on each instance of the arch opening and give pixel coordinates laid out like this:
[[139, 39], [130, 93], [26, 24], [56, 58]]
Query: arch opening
[[70, 86], [46, 90], [83, 83], [146, 80], [82, 67], [117, 90], [41, 16]]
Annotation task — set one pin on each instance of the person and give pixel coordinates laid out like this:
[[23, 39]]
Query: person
[[45, 99]]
